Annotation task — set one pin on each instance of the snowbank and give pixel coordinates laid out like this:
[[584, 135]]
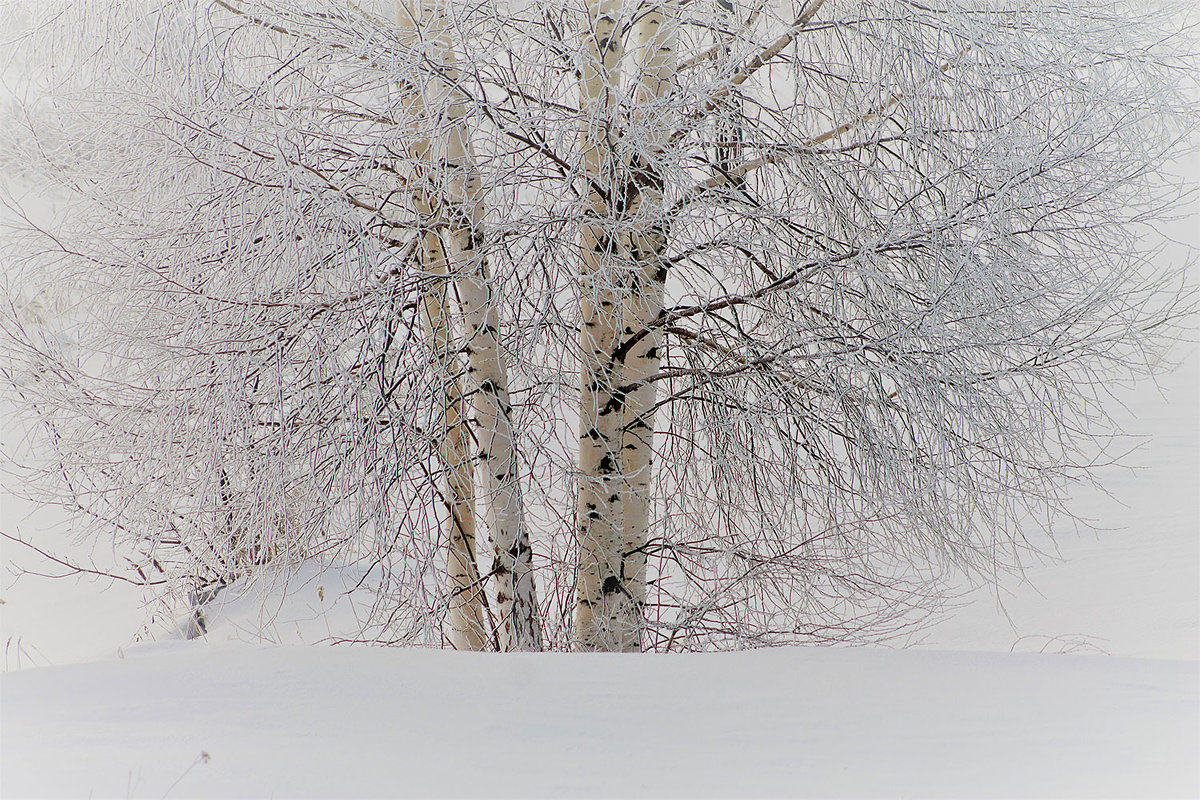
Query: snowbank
[[192, 719]]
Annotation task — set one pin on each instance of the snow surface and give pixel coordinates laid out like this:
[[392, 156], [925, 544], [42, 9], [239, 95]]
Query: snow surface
[[191, 719]]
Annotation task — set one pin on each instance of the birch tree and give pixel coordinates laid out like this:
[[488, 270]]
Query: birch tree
[[617, 426], [465, 613], [462, 206], [732, 324]]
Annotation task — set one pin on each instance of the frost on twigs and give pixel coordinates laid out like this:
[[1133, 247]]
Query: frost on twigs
[[753, 320]]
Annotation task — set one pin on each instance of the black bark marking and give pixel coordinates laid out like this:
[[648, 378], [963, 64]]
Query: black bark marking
[[611, 585], [615, 403]]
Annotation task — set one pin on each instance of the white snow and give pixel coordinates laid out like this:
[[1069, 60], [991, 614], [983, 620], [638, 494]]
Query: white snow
[[191, 720]]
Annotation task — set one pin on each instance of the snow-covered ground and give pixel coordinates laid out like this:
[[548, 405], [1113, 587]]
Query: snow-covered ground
[[201, 720]]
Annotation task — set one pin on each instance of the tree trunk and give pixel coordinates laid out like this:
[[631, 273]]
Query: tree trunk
[[465, 612], [519, 626], [603, 602], [499, 463], [654, 40], [466, 607]]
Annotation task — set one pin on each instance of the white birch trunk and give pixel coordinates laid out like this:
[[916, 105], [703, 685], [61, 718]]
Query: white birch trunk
[[601, 595], [518, 623], [654, 43], [465, 624], [499, 463], [466, 607]]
